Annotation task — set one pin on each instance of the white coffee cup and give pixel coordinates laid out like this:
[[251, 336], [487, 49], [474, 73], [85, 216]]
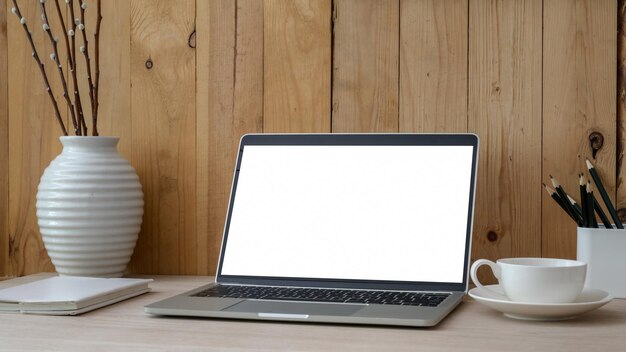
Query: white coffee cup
[[536, 280]]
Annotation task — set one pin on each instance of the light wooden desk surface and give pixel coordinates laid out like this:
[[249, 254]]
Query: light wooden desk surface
[[471, 327]]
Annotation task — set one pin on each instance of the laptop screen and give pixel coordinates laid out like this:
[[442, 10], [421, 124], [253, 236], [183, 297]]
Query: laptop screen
[[351, 212]]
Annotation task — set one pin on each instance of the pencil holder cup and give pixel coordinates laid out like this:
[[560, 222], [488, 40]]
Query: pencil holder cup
[[604, 251]]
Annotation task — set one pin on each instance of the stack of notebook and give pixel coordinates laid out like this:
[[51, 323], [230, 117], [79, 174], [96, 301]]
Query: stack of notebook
[[67, 295]]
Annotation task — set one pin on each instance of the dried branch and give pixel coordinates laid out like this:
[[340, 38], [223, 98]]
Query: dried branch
[[67, 43], [85, 50], [72, 61], [96, 35], [55, 58], [18, 13], [79, 106]]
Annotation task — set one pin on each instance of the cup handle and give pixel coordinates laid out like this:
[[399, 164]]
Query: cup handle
[[495, 268]]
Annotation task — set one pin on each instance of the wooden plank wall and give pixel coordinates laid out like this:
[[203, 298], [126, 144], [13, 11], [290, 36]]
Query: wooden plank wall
[[4, 147], [182, 80], [505, 111], [621, 105], [296, 59], [433, 65], [365, 66], [579, 103]]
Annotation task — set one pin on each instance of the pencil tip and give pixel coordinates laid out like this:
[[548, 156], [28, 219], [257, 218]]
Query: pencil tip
[[589, 165], [554, 182]]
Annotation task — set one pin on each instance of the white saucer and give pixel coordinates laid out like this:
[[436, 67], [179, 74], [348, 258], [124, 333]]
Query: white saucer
[[588, 300]]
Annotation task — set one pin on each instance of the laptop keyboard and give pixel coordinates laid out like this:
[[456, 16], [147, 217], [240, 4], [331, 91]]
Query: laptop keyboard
[[422, 299]]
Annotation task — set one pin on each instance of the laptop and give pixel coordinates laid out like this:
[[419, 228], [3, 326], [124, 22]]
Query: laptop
[[343, 228]]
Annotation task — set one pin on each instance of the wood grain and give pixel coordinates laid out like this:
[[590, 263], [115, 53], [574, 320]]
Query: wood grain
[[229, 90], [505, 111], [620, 183], [114, 96], [433, 65], [533, 80], [4, 146], [297, 66], [579, 98], [114, 112], [203, 129], [365, 66], [164, 127], [33, 137]]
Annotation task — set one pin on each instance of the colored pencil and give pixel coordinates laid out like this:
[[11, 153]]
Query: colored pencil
[[576, 205], [583, 199], [592, 222], [598, 209], [563, 195], [604, 195], [556, 198]]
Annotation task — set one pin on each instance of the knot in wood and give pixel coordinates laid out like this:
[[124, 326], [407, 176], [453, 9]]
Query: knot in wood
[[621, 214], [192, 40], [492, 236], [596, 141], [149, 64]]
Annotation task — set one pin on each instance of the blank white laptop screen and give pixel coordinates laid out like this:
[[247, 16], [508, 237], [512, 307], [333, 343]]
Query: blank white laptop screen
[[392, 213]]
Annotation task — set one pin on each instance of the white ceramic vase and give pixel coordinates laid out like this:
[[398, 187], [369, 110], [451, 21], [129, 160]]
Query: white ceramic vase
[[89, 208]]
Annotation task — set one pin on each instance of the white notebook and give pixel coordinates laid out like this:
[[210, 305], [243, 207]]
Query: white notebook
[[68, 295]]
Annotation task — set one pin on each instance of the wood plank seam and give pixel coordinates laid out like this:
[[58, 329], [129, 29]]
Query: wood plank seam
[[399, 69], [542, 202], [620, 185], [4, 145], [333, 22]]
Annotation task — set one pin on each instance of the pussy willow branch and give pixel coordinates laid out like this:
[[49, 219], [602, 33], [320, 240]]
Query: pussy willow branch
[[79, 105], [96, 35], [55, 57], [70, 58], [67, 43], [85, 50], [18, 13]]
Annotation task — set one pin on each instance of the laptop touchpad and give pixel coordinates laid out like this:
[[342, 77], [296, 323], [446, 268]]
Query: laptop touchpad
[[301, 308]]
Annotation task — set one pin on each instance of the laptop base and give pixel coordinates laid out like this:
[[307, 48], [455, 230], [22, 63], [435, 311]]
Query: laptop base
[[306, 312]]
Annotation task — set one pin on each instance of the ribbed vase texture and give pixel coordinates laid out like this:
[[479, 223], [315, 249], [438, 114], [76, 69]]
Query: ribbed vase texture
[[89, 208]]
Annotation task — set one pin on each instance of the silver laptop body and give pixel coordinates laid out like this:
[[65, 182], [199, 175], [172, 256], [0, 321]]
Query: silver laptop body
[[381, 214]]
